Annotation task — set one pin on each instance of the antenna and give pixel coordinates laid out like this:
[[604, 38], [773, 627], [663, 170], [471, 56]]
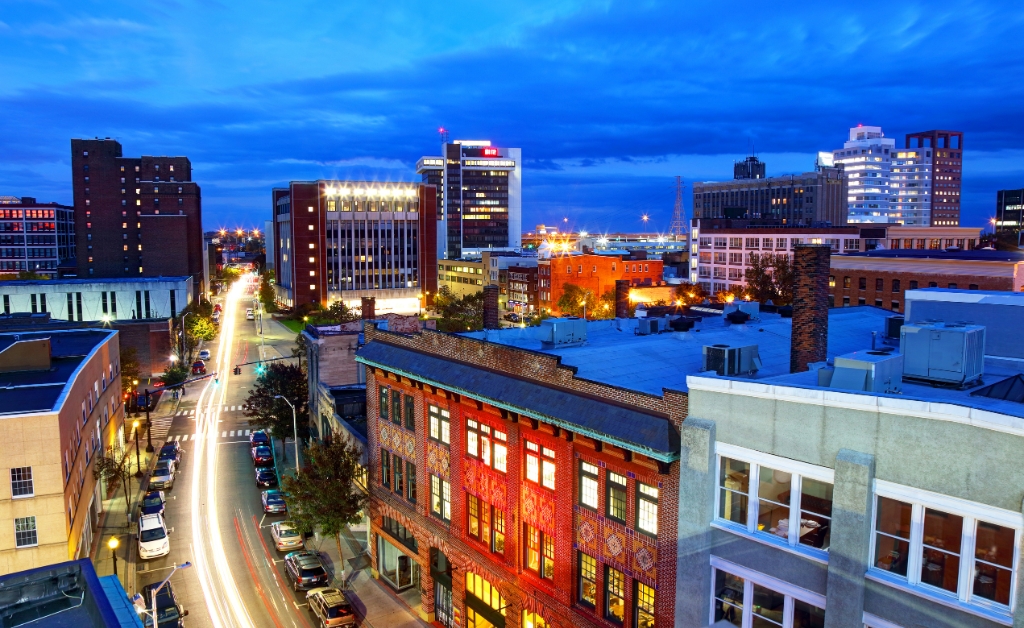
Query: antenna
[[678, 215], [443, 132]]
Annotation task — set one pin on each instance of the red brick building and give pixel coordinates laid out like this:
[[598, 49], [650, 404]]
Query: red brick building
[[512, 493], [597, 273], [522, 288], [880, 278]]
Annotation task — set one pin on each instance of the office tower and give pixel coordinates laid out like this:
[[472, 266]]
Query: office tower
[[352, 239], [943, 155], [799, 200], [135, 216], [1009, 210], [866, 160], [36, 236], [749, 168], [479, 199]]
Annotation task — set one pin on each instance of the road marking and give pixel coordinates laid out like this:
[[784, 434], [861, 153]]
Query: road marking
[[232, 442]]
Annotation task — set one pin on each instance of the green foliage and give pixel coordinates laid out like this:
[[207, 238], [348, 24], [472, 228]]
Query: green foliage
[[734, 293], [230, 275], [456, 313], [129, 367], [689, 293], [770, 276], [115, 467], [323, 497], [201, 328], [274, 415], [178, 373], [573, 298], [268, 296]]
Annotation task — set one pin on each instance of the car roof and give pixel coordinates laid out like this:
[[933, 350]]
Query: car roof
[[305, 559], [333, 596], [148, 522], [285, 525], [166, 594]]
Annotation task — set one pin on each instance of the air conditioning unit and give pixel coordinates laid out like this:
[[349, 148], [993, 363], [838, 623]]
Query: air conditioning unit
[[943, 353], [648, 326], [868, 371], [562, 332], [893, 324], [726, 360]]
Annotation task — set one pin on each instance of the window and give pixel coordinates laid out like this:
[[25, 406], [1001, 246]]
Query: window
[[588, 485], [927, 542], [440, 498], [383, 410], [952, 286], [21, 482], [785, 492], [895, 306], [913, 285], [25, 532], [646, 508], [487, 445], [540, 465], [498, 536], [399, 484], [614, 595], [396, 407], [615, 498], [485, 592], [643, 606], [972, 286], [588, 580], [762, 601], [862, 283], [540, 552], [879, 285], [933, 284], [410, 481], [846, 282], [385, 467], [533, 620], [440, 429], [473, 513], [895, 285], [410, 412], [831, 281]]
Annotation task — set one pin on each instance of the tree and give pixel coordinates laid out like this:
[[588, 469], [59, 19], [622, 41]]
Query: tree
[[129, 367], [782, 273], [175, 375], [733, 293], [573, 299], [760, 282], [115, 467], [274, 415], [689, 293], [268, 296], [300, 348], [201, 328], [323, 496], [339, 313], [229, 275], [464, 313]]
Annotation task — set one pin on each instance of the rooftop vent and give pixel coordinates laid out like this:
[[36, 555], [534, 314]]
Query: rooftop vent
[[726, 360], [943, 353], [649, 326], [737, 317], [562, 332], [868, 371], [893, 324]]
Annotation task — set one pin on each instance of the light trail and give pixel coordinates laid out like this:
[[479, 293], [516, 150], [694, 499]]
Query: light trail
[[224, 601]]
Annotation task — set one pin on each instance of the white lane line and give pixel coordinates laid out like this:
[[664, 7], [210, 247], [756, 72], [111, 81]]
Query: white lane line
[[232, 442]]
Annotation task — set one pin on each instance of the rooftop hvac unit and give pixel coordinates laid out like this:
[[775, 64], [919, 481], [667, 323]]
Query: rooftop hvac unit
[[869, 371], [726, 360], [893, 324], [562, 332], [943, 353], [648, 326], [751, 308]]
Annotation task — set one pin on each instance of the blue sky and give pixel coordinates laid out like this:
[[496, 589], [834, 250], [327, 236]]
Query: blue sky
[[608, 100]]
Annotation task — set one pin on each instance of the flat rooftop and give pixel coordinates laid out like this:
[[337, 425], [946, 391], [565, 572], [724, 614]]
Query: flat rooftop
[[974, 256], [80, 282]]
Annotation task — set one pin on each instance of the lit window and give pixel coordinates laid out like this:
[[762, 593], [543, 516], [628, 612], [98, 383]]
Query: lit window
[[540, 552], [312, 260], [486, 592], [486, 444], [311, 211], [588, 485], [312, 246], [540, 465], [616, 496], [643, 606], [385, 467], [647, 508], [312, 286], [440, 498], [440, 427], [312, 273], [614, 595], [588, 580], [383, 406], [533, 620], [746, 602]]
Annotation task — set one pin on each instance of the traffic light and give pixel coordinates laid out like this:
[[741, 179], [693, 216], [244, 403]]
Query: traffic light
[[238, 370], [260, 369]]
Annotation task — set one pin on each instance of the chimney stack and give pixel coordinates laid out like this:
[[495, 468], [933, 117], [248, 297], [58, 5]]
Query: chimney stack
[[809, 340], [491, 320], [369, 306], [621, 298]]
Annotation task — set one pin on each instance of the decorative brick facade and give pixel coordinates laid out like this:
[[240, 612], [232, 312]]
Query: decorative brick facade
[[809, 341], [554, 513], [597, 273]]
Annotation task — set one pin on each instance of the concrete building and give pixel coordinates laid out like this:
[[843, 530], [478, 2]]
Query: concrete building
[[462, 276], [802, 200], [151, 202], [480, 198], [866, 159], [749, 168], [352, 239], [943, 156], [61, 407], [35, 236], [1009, 210], [883, 278], [99, 300]]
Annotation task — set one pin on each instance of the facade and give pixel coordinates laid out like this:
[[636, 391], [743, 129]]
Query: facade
[[480, 198], [522, 289], [61, 407], [35, 236], [503, 510], [881, 278], [151, 202], [1009, 210], [799, 200], [353, 239], [749, 168], [866, 158], [99, 300], [943, 155], [597, 273], [462, 276]]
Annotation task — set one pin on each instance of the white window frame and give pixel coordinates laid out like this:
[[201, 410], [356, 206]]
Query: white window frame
[[872, 621], [798, 470], [972, 513], [750, 578]]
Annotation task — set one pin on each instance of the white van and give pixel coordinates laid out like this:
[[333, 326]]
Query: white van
[[153, 541]]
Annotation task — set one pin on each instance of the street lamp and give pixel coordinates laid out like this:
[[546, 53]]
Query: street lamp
[[153, 593], [419, 304], [138, 465], [135, 388], [295, 426], [112, 544]]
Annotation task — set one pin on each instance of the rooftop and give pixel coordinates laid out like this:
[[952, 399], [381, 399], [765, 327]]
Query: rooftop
[[97, 280], [980, 256]]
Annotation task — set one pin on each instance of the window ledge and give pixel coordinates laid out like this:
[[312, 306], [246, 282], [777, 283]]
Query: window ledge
[[818, 556], [23, 496], [991, 614]]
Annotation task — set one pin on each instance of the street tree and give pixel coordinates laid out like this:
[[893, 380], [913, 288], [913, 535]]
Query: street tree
[[114, 467], [465, 313], [267, 413], [324, 496], [129, 367], [573, 299], [268, 296], [760, 283], [201, 328], [339, 313], [689, 293]]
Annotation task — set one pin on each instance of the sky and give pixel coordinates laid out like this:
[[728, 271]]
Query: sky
[[608, 100]]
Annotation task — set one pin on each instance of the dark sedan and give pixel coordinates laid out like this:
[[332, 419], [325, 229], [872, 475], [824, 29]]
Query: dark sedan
[[153, 503], [261, 455], [305, 570], [259, 437], [273, 502], [266, 476], [171, 451]]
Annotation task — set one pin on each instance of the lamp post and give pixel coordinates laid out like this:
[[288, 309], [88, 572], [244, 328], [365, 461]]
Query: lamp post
[[183, 318], [138, 465], [153, 593], [112, 544], [419, 304], [135, 388], [149, 427], [295, 426]]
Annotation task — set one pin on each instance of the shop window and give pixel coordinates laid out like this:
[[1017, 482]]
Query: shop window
[[533, 620]]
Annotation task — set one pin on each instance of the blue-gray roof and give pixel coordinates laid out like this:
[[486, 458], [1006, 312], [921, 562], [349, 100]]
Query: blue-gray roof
[[646, 433]]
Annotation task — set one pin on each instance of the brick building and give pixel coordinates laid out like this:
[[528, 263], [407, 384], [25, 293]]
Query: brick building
[[522, 288], [881, 278], [597, 273], [150, 202], [512, 493]]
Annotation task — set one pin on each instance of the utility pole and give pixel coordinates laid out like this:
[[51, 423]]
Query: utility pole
[[678, 215]]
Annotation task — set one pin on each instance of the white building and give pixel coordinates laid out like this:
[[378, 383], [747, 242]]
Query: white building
[[910, 186], [99, 299], [867, 159]]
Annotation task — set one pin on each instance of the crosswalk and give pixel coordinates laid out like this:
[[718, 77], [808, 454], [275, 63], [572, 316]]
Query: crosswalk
[[181, 438], [225, 408]]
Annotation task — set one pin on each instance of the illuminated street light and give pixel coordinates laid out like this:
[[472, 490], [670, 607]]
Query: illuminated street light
[[583, 234]]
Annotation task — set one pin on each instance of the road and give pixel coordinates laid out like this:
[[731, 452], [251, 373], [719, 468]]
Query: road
[[214, 510]]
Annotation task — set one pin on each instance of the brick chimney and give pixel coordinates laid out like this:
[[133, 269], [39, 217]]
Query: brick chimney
[[369, 306], [491, 307], [809, 340], [621, 298]]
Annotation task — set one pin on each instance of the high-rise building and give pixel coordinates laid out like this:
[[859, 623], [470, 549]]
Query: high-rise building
[[1009, 210], [35, 236], [943, 154], [749, 168], [135, 216], [479, 197], [866, 160], [800, 200], [352, 239]]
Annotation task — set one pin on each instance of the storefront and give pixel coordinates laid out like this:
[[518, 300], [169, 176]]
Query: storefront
[[441, 572], [395, 567]]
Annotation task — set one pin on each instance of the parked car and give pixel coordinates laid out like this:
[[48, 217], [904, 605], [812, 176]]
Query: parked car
[[169, 613], [259, 437], [199, 367], [305, 570], [163, 474], [171, 451], [153, 503], [266, 476], [285, 535], [249, 315], [330, 607], [273, 502], [204, 354], [217, 307], [262, 456], [216, 318], [512, 316], [153, 541]]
